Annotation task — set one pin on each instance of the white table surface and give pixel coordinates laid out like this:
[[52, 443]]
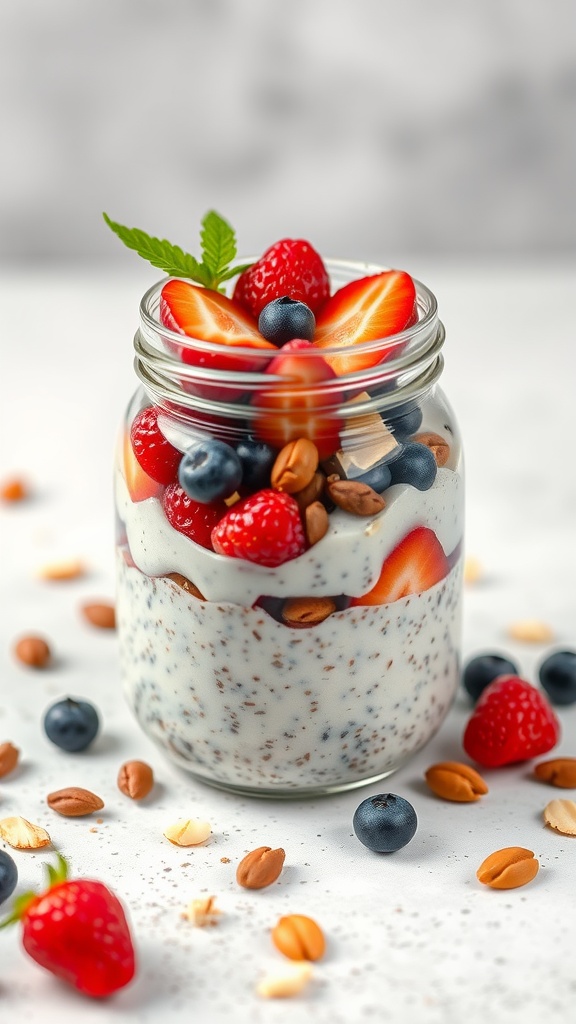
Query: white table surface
[[411, 936]]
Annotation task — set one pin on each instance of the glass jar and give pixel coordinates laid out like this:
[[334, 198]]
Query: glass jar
[[329, 670]]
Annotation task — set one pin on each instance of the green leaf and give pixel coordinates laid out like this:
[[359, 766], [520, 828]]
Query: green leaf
[[235, 270], [218, 244], [160, 253]]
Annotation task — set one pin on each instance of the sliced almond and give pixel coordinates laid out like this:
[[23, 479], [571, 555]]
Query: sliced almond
[[285, 984], [202, 912], [69, 569], [561, 816], [188, 832], [531, 631], [22, 834]]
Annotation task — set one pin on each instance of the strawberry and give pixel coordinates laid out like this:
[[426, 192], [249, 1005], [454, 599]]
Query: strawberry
[[298, 408], [78, 931], [416, 564], [289, 267], [194, 518], [156, 456], [140, 485], [366, 310], [265, 528], [512, 721]]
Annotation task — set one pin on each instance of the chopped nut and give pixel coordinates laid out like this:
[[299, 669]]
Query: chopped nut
[[232, 499], [188, 832], [508, 868], [472, 570], [560, 771], [260, 867], [135, 779], [186, 584], [22, 834], [74, 802], [295, 466], [286, 984], [316, 522], [13, 489], [311, 492], [202, 912], [454, 781], [70, 569], [32, 651], [101, 615], [561, 816], [357, 498], [300, 612], [531, 631], [299, 937], [9, 755], [437, 445]]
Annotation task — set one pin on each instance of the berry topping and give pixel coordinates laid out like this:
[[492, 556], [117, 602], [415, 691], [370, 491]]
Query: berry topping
[[194, 518], [140, 485], [210, 470], [78, 931], [284, 319], [415, 465], [257, 459], [366, 310], [8, 875], [558, 677], [265, 528], [511, 722], [290, 267], [483, 670], [385, 823], [415, 565], [156, 456], [71, 724], [404, 420]]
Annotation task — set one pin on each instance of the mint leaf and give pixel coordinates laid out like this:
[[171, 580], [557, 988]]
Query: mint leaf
[[218, 244]]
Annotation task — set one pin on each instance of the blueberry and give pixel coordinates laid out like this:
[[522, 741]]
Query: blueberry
[[385, 823], [257, 460], [377, 477], [8, 876], [558, 677], [284, 319], [415, 465], [404, 420], [484, 669], [71, 724], [210, 470]]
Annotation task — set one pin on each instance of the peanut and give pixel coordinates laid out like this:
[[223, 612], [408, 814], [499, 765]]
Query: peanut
[[135, 779], [561, 816], [13, 490], [102, 615], [32, 651], [560, 771], [295, 466], [437, 445], [260, 867], [508, 868], [299, 937], [300, 612], [70, 569], [531, 631], [9, 755], [357, 498], [188, 832], [74, 802], [454, 781], [316, 522]]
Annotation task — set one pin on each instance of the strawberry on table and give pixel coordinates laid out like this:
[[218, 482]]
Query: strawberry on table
[[155, 455], [366, 310], [265, 528], [511, 722], [77, 930], [290, 267], [416, 564]]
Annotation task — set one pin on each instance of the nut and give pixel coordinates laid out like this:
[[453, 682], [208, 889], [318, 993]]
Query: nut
[[260, 867], [454, 781], [472, 570], [561, 816], [311, 492], [32, 651], [9, 755], [13, 490], [186, 584], [70, 569], [437, 445], [188, 832], [300, 612], [299, 937], [23, 835], [295, 466], [354, 497], [282, 986], [202, 912], [531, 631], [101, 615], [508, 868], [74, 802], [135, 779], [316, 522], [560, 771]]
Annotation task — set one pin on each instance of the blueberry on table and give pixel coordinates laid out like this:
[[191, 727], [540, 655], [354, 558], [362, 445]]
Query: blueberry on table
[[483, 670], [385, 823], [8, 875], [257, 459], [71, 724], [209, 470], [415, 465], [284, 319], [557, 675]]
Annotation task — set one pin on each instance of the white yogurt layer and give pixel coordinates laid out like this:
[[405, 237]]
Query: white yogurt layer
[[347, 560]]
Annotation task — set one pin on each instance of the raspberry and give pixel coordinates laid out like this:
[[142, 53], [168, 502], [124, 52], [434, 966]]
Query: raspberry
[[512, 721], [155, 455], [265, 528], [194, 518], [291, 267]]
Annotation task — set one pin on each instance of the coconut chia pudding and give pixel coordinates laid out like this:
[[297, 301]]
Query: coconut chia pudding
[[289, 502]]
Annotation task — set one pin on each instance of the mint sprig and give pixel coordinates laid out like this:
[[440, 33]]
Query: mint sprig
[[218, 243]]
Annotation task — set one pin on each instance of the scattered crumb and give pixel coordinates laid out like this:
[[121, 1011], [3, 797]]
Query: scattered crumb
[[224, 860], [202, 912]]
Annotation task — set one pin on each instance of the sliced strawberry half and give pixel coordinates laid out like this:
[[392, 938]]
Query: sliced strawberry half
[[366, 310], [415, 565]]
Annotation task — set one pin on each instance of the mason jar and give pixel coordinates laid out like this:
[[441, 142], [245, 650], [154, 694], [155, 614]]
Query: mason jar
[[327, 671]]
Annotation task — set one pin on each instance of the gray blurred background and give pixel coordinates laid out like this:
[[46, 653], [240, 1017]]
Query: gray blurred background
[[377, 129]]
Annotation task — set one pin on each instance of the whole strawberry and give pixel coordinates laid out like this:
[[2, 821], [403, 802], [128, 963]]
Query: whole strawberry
[[290, 267], [265, 528], [78, 931], [512, 721]]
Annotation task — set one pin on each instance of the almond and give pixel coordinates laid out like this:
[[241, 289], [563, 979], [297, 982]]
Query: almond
[[311, 492], [295, 466], [74, 802], [354, 497], [299, 937], [560, 771], [508, 868], [316, 522], [437, 445], [9, 755], [23, 835], [561, 816], [135, 779], [454, 781], [300, 612], [186, 584], [70, 569], [32, 651], [102, 614], [260, 867]]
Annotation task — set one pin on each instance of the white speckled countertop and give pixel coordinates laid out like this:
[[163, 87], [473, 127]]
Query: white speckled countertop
[[411, 936]]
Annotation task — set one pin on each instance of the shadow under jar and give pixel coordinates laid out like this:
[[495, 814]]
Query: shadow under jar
[[330, 670]]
